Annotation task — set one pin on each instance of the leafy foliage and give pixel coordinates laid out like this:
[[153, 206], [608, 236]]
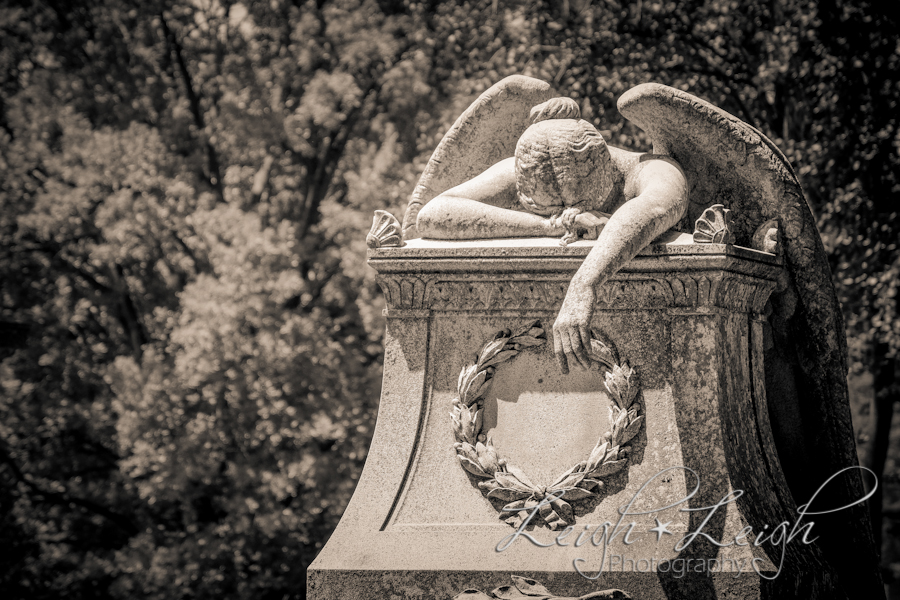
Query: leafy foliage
[[195, 403]]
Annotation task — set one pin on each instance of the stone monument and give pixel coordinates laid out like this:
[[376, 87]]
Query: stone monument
[[608, 374]]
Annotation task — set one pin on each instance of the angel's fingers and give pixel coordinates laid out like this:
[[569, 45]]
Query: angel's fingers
[[558, 351], [585, 334], [578, 350], [571, 359], [569, 350]]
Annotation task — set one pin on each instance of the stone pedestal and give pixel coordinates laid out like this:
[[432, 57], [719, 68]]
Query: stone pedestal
[[687, 317]]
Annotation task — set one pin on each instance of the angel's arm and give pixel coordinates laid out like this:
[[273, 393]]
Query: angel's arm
[[661, 201], [481, 208]]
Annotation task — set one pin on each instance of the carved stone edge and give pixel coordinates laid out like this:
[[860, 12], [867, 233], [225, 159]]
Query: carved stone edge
[[385, 231], [714, 226], [471, 293], [404, 291], [406, 313]]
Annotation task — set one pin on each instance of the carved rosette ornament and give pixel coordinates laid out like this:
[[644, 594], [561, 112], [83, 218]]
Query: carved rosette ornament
[[385, 231], [504, 481], [524, 588], [714, 226]]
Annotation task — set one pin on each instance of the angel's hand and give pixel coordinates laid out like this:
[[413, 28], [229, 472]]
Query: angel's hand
[[590, 223], [571, 331]]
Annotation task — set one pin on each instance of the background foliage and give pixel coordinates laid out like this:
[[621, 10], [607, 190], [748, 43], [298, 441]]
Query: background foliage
[[185, 189]]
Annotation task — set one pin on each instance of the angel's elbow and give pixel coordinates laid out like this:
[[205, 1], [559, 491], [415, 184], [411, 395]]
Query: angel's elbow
[[431, 222], [681, 203], [425, 221], [681, 193], [675, 208]]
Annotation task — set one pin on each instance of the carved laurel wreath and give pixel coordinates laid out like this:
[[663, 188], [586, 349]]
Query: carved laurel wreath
[[504, 481]]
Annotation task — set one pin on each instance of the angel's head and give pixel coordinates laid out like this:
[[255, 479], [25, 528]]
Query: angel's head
[[561, 161]]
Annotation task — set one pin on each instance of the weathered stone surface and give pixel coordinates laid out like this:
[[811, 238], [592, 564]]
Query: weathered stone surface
[[445, 276], [418, 524], [543, 477], [731, 163]]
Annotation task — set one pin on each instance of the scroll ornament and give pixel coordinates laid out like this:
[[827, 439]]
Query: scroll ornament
[[385, 231], [767, 237], [714, 226], [504, 481]]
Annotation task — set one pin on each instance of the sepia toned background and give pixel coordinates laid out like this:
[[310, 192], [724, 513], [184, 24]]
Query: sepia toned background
[[190, 340]]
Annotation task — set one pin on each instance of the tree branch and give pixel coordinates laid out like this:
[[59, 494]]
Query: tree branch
[[212, 159], [261, 179], [63, 499], [327, 165], [882, 411]]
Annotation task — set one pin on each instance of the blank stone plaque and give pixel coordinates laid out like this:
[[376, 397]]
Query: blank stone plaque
[[541, 420]]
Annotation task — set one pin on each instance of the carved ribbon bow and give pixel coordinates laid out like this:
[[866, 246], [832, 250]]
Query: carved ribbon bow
[[514, 485], [524, 588]]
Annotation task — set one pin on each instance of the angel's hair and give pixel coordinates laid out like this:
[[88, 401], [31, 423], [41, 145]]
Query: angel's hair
[[555, 108], [560, 164]]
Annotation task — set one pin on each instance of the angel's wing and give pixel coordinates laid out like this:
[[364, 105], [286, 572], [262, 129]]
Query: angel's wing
[[483, 135], [729, 162]]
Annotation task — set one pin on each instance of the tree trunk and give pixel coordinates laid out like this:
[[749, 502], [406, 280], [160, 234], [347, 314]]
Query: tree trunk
[[885, 393], [214, 176]]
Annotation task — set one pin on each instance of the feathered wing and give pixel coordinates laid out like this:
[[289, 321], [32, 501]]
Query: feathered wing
[[483, 135], [729, 162]]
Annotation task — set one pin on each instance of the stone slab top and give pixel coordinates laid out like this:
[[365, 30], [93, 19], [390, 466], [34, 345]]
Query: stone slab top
[[673, 251]]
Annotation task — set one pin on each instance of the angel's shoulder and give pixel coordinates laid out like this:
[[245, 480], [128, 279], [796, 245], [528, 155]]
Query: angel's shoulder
[[647, 170], [649, 164]]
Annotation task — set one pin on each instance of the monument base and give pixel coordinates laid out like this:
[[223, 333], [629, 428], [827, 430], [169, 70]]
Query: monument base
[[694, 505], [449, 584]]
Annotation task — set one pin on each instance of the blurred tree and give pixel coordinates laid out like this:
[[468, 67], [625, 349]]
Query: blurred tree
[[186, 189], [856, 81]]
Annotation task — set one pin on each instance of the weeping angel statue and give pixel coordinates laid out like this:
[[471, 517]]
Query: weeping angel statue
[[564, 179], [520, 162]]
